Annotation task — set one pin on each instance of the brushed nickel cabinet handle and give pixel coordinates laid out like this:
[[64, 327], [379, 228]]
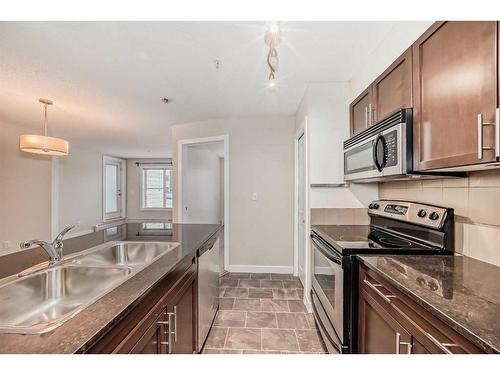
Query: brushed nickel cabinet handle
[[480, 141], [497, 132], [441, 345], [372, 114], [399, 343], [386, 298], [175, 323], [169, 332], [366, 117]]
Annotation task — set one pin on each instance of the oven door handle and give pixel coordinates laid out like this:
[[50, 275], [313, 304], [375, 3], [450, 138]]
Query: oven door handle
[[327, 253]]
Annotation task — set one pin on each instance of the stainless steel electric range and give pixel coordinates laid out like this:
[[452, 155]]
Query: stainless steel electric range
[[396, 227]]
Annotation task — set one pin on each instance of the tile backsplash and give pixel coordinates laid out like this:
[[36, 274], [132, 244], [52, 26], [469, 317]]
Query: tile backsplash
[[339, 216], [476, 200]]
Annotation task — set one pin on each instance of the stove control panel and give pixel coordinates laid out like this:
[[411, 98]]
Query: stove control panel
[[418, 213]]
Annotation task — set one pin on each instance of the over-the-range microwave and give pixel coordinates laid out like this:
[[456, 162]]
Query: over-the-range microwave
[[384, 152]]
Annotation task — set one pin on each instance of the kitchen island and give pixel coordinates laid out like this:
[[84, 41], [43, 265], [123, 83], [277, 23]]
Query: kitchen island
[[124, 306]]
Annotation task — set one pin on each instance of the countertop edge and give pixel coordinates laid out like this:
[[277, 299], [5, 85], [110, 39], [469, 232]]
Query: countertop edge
[[122, 314], [457, 327]]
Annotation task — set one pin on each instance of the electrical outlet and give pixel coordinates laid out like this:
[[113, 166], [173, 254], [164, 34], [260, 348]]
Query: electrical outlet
[[6, 245], [255, 196]]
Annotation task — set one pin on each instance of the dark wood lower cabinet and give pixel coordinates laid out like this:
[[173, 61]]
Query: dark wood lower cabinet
[[380, 332], [152, 342], [164, 322], [181, 309], [392, 323]]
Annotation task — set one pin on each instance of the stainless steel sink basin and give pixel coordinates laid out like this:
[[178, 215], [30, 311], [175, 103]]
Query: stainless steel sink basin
[[43, 300], [129, 254]]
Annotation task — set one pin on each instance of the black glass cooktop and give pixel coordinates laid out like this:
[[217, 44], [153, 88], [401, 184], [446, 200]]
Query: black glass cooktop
[[362, 239]]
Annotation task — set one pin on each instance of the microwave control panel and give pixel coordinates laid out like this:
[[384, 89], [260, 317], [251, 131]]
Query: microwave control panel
[[391, 144]]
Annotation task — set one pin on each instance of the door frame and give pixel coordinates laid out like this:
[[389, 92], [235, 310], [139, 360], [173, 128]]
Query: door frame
[[123, 188], [302, 131], [180, 146]]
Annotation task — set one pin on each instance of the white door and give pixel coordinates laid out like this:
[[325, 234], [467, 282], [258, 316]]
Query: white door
[[113, 178], [301, 211]]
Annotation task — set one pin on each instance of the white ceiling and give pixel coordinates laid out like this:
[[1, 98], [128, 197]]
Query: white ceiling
[[107, 78]]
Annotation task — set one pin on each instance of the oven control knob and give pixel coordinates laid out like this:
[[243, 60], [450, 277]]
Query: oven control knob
[[375, 206], [433, 216], [422, 213]]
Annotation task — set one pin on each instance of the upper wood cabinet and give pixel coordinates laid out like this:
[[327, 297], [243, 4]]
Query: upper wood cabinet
[[359, 111], [455, 77], [391, 91]]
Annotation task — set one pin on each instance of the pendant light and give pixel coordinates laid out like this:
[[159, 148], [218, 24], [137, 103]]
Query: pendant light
[[43, 144]]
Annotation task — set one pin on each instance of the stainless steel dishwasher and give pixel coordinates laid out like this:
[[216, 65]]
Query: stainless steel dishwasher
[[208, 287]]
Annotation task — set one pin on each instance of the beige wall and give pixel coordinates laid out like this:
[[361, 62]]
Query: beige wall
[[476, 200], [80, 189], [134, 198], [261, 153], [25, 189]]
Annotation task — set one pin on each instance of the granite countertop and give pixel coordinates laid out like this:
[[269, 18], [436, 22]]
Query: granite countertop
[[462, 292], [91, 323]]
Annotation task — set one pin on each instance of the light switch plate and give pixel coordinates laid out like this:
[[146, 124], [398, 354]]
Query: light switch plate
[[255, 196]]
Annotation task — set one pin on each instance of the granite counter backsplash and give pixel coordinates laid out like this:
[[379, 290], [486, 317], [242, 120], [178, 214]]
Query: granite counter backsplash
[[462, 292], [89, 325]]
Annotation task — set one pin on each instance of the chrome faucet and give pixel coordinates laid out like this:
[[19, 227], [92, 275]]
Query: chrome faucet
[[54, 249]]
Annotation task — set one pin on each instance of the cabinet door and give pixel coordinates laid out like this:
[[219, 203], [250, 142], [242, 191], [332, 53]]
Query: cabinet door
[[393, 89], [152, 342], [379, 332], [454, 80], [359, 112], [183, 320]]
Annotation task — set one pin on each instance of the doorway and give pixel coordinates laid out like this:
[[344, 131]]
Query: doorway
[[203, 185]]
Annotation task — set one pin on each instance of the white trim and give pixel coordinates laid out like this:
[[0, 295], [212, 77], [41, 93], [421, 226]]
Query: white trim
[[260, 269], [302, 131], [123, 188], [180, 145], [54, 198], [143, 195]]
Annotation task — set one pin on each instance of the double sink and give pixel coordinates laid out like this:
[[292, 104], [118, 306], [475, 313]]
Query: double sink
[[41, 301]]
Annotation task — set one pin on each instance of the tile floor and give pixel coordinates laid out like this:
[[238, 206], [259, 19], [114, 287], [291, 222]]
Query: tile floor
[[262, 313]]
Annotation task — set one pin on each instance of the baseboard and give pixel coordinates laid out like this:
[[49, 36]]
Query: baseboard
[[260, 269]]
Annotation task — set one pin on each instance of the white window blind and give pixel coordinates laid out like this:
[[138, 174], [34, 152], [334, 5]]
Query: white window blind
[[156, 188]]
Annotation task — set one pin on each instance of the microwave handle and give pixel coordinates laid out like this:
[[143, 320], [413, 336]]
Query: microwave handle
[[327, 253]]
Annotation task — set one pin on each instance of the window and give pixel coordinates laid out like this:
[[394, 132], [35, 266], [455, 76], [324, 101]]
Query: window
[[113, 185], [156, 188]]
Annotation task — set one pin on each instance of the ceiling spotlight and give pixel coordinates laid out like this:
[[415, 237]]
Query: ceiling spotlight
[[165, 100], [274, 28], [272, 38]]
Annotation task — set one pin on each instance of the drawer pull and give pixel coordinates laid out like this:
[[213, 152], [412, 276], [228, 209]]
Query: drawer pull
[[399, 343], [442, 346], [386, 298], [480, 125]]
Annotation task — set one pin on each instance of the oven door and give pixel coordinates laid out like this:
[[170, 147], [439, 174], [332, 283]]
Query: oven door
[[328, 285]]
